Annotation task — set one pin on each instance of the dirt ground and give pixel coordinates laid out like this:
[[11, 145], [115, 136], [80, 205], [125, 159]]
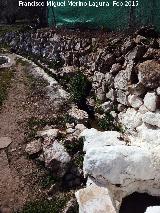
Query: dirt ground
[[19, 175]]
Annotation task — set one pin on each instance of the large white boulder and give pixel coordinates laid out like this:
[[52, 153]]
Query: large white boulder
[[95, 199], [95, 138], [119, 164]]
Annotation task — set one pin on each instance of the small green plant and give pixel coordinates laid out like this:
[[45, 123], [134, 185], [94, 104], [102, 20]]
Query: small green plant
[[73, 147], [46, 206], [78, 160], [79, 87], [22, 62], [6, 75], [56, 64], [107, 122]]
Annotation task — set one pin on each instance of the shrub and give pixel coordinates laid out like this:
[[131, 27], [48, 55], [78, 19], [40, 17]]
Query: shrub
[[45, 206], [79, 87], [108, 123]]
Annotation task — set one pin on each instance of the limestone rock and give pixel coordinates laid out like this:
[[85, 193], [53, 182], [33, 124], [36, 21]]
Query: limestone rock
[[78, 115], [33, 147], [111, 94], [140, 39], [136, 53], [5, 142], [149, 73], [152, 118], [158, 91], [122, 97], [127, 46], [122, 78], [49, 133], [130, 119], [150, 101], [56, 158], [106, 106], [95, 138], [153, 209], [143, 109], [135, 101], [115, 68], [95, 199]]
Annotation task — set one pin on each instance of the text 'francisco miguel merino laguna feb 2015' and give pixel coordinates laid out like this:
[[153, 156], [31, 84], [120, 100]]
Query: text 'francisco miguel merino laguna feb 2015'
[[71, 3]]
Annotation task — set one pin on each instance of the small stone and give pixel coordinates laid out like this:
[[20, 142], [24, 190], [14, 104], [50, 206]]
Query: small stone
[[111, 95], [122, 97], [50, 133], [150, 101], [106, 106], [143, 109], [116, 68], [135, 101], [158, 91], [140, 39], [33, 147], [5, 142], [78, 115]]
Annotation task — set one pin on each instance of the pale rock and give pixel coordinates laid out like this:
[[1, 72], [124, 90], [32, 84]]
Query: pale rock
[[70, 130], [122, 97], [136, 53], [158, 91], [115, 68], [68, 125], [143, 109], [106, 106], [56, 158], [49, 133], [152, 118], [95, 199], [120, 107], [150, 101], [80, 127], [153, 209], [135, 101], [119, 164], [78, 115], [149, 138], [111, 95], [34, 147], [109, 79], [98, 77], [122, 78], [140, 39], [130, 119], [5, 142], [100, 94], [127, 46], [149, 73], [95, 138]]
